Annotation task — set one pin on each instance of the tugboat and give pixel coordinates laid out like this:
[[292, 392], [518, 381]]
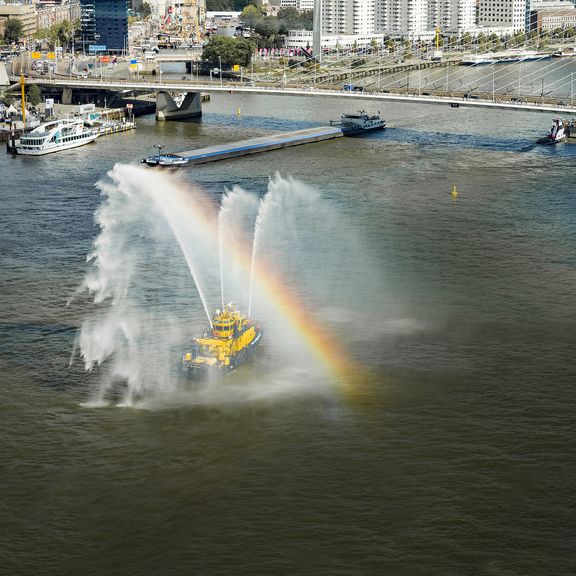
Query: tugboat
[[556, 134], [352, 124], [231, 340]]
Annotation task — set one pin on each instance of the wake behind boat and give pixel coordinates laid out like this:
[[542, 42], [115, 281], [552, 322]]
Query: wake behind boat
[[231, 340], [55, 136]]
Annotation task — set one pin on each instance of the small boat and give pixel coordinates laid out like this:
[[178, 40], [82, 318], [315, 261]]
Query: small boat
[[231, 340], [55, 136], [557, 133], [167, 160], [358, 123]]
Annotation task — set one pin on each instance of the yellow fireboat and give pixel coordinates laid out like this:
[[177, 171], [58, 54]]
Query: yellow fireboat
[[231, 340]]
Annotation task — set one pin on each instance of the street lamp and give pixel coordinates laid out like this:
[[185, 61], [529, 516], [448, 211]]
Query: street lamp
[[220, 69]]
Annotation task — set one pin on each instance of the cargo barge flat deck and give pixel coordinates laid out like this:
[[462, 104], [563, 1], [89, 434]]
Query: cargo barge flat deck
[[245, 147]]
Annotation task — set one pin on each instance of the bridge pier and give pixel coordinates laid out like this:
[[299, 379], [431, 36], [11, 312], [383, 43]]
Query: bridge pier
[[168, 109], [66, 95]]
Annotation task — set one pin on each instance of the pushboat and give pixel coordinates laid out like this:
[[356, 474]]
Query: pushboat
[[230, 341], [351, 124], [167, 160]]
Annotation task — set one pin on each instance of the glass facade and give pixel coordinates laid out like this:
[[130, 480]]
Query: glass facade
[[104, 23]]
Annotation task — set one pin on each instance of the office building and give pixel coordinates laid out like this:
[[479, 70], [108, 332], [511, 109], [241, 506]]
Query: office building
[[104, 25]]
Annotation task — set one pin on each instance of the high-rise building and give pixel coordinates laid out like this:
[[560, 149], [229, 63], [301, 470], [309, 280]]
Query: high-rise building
[[417, 16], [104, 24], [402, 16]]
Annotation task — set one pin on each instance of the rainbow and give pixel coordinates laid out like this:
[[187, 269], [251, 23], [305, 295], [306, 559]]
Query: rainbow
[[341, 370]]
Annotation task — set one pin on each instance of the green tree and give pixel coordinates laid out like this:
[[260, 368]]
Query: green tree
[[220, 5], [34, 95], [250, 15], [8, 99], [146, 10], [65, 33], [13, 31], [267, 27], [227, 50]]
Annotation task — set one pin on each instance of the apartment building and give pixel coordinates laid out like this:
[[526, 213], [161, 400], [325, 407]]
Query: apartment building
[[418, 16], [26, 13]]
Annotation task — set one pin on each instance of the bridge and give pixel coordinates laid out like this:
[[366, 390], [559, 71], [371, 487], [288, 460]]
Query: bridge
[[438, 97], [543, 86]]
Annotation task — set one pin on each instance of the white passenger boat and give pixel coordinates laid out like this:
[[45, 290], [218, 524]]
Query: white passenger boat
[[55, 136], [358, 123]]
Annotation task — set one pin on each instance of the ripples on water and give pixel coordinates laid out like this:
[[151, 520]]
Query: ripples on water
[[455, 456]]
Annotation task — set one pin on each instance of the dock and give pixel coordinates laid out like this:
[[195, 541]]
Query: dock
[[246, 147]]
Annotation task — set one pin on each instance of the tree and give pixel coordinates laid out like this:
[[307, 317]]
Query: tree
[[8, 99], [146, 10], [227, 50], [250, 15], [65, 33], [34, 95], [13, 31], [220, 5], [267, 26]]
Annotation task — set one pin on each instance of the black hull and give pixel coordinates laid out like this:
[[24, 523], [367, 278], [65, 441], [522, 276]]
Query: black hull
[[356, 131]]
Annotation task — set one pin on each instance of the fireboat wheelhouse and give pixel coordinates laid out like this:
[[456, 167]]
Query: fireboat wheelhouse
[[231, 340]]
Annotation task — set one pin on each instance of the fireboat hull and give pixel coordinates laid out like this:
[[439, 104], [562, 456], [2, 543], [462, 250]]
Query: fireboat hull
[[204, 371]]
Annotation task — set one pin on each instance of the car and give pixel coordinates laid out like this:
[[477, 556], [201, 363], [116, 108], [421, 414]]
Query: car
[[518, 99], [82, 75], [562, 103], [472, 96]]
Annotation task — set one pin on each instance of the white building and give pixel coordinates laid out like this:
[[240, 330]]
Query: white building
[[504, 13], [419, 17], [402, 16]]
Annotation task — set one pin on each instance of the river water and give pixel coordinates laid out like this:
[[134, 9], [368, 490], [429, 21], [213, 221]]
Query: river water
[[448, 451]]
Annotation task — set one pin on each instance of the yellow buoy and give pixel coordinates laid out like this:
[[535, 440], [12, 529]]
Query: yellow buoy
[[238, 111], [454, 192]]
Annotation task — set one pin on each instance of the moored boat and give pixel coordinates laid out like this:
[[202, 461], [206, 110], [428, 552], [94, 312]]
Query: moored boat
[[55, 136], [231, 340], [478, 60], [358, 123]]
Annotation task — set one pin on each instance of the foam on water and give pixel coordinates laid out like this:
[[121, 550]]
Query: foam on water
[[280, 257]]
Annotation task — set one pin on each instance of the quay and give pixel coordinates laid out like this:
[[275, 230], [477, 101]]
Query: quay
[[246, 147]]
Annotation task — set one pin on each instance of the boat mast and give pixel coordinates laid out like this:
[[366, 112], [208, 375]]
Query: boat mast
[[23, 100]]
